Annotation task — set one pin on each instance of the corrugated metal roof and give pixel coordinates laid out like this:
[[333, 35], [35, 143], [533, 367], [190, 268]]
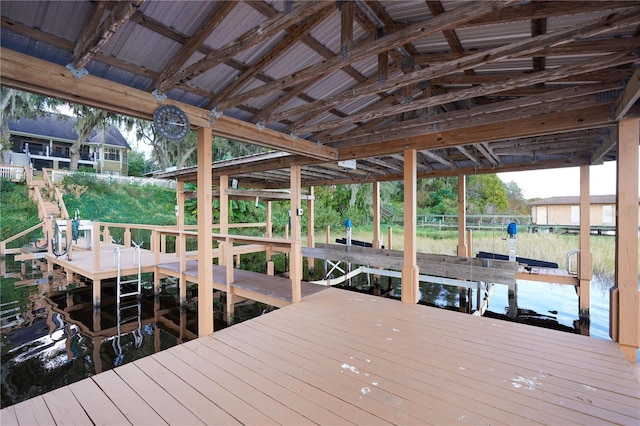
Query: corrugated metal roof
[[153, 37]]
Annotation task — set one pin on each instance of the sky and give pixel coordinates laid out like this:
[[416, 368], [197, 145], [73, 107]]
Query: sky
[[563, 182]]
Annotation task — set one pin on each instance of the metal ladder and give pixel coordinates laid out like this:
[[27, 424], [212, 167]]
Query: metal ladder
[[121, 308]]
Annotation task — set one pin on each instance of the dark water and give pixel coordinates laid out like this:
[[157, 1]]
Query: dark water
[[52, 337]]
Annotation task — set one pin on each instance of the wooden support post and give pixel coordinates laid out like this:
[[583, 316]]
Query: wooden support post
[[410, 267], [295, 256], [205, 249], [377, 241], [469, 243], [328, 234], [95, 245], [156, 284], [462, 215], [106, 235], [182, 289], [69, 239], [269, 231], [224, 219], [96, 294], [127, 237], [311, 231], [229, 279], [625, 300], [585, 268], [389, 238]]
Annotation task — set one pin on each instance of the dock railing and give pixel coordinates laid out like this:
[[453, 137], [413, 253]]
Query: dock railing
[[3, 244], [230, 245]]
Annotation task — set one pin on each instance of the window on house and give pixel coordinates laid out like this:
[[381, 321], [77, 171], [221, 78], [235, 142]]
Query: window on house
[[112, 154], [607, 215], [575, 214]]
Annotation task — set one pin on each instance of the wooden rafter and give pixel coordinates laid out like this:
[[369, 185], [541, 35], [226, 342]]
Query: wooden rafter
[[538, 27], [486, 89], [194, 42], [439, 158], [629, 96], [514, 49], [448, 20], [295, 33], [21, 71], [608, 143], [592, 117], [250, 38], [555, 100], [96, 33]]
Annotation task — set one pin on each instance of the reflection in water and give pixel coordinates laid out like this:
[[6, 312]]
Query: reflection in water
[[52, 337], [540, 304]]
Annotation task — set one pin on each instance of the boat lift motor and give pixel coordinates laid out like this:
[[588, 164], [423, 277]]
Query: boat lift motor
[[347, 224], [512, 230]]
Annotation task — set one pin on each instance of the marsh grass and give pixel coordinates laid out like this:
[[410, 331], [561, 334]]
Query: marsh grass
[[543, 246]]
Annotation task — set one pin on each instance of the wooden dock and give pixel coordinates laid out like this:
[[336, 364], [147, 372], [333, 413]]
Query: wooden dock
[[340, 357], [272, 290]]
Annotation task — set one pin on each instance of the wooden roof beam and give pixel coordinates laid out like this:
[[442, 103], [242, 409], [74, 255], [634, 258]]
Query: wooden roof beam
[[39, 76], [191, 46], [295, 34], [484, 149], [518, 48], [554, 122], [250, 38], [584, 66], [608, 143], [416, 31], [468, 154], [439, 159], [562, 99], [96, 33], [629, 96]]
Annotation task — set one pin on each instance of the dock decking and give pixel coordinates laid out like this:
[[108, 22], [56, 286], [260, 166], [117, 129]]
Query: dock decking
[[340, 357], [272, 290]]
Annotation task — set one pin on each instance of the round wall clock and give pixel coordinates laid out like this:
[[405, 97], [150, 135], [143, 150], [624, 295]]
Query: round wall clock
[[171, 122]]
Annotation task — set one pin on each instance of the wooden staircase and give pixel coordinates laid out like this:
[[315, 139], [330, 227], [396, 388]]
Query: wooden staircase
[[48, 198]]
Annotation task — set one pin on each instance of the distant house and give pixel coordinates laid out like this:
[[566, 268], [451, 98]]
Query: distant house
[[564, 211], [44, 143]]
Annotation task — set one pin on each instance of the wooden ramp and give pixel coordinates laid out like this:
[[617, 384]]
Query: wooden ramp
[[272, 290], [340, 357]]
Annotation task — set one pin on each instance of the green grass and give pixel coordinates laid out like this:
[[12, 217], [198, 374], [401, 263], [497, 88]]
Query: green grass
[[17, 211]]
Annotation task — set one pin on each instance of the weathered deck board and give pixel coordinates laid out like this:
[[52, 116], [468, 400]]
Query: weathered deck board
[[340, 357], [274, 288]]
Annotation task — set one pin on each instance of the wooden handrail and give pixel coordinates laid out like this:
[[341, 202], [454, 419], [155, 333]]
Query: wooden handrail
[[3, 244], [42, 210]]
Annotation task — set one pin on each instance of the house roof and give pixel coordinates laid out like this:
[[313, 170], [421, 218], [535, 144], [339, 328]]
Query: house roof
[[574, 200], [62, 127], [474, 87]]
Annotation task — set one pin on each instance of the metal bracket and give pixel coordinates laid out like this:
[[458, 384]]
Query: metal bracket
[[159, 96], [260, 126], [293, 136], [213, 114], [75, 72]]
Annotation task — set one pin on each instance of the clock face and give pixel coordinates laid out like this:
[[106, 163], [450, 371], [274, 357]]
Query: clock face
[[171, 122]]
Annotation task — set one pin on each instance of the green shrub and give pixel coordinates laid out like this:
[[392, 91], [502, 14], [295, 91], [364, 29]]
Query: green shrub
[[17, 211]]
